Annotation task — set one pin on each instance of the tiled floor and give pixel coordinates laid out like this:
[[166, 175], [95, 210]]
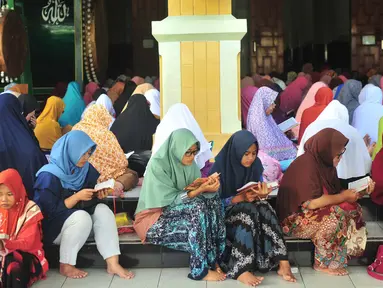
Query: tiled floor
[[175, 278]]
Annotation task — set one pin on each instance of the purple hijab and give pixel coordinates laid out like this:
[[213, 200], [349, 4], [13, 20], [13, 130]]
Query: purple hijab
[[271, 139], [247, 95]]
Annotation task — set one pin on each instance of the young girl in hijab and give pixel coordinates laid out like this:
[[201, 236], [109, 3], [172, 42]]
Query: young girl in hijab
[[367, 115], [323, 97], [177, 117], [108, 158], [356, 161], [22, 250], [292, 96], [316, 207], [29, 106], [90, 88], [19, 148], [168, 215], [140, 89], [130, 86], [74, 105], [348, 96], [48, 129], [254, 238], [260, 122], [64, 190]]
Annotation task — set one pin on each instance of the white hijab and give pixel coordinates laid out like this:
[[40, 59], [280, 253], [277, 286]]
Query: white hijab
[[178, 117], [153, 97], [356, 161], [105, 101], [367, 115]]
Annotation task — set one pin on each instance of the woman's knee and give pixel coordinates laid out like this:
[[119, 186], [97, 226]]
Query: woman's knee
[[81, 219]]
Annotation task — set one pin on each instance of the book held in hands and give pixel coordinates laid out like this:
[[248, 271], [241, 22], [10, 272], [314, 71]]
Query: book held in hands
[[288, 124]]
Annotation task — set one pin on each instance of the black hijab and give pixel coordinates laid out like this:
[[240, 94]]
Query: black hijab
[[228, 163], [28, 103], [134, 128], [98, 93], [120, 103]]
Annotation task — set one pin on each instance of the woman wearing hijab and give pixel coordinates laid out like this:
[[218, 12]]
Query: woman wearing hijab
[[178, 117], [260, 122], [247, 95], [356, 161], [153, 97], [22, 251], [323, 97], [292, 96], [104, 100], [348, 96], [291, 76], [247, 82], [168, 215], [117, 88], [138, 80], [254, 238], [335, 82], [74, 105], [48, 129], [130, 86], [71, 207], [19, 148], [60, 89], [307, 102], [90, 88], [377, 175], [140, 89], [367, 115], [375, 80], [317, 207], [108, 158], [29, 106], [134, 130]]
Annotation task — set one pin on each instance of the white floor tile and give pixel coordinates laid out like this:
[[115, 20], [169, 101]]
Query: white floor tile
[[54, 280], [320, 280], [361, 279], [373, 229], [176, 278], [97, 278], [144, 278]]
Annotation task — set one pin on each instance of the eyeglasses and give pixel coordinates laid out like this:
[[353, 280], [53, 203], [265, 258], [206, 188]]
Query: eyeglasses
[[190, 153], [341, 154]]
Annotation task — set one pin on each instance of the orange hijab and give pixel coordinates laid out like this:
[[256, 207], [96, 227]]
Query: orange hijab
[[322, 98]]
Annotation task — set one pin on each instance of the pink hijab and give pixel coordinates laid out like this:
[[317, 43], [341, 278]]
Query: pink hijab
[[90, 88], [343, 78], [246, 82], [247, 95], [307, 102], [292, 96], [138, 80]]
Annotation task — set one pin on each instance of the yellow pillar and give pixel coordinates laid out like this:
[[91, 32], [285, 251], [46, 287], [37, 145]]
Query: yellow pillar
[[199, 46]]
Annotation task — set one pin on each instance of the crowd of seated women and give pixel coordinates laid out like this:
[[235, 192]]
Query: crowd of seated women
[[189, 201]]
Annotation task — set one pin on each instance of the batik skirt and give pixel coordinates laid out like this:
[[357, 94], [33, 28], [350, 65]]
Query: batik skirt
[[254, 239], [337, 233], [197, 227]]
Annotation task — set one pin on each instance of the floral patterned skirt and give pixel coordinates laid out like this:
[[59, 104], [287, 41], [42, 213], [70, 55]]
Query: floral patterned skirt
[[338, 232]]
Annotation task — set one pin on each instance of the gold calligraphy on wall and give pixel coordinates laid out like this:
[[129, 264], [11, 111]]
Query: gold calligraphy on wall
[[55, 12]]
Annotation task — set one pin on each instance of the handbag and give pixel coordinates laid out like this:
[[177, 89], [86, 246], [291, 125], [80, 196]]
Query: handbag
[[375, 270]]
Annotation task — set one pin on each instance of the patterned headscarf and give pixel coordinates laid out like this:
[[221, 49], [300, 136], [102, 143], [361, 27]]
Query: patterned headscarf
[[108, 158], [349, 96], [270, 137]]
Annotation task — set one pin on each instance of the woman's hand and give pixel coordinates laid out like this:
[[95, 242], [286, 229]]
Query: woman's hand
[[350, 195], [118, 189], [250, 196], [371, 187], [367, 140], [103, 193], [371, 148], [85, 194], [210, 186]]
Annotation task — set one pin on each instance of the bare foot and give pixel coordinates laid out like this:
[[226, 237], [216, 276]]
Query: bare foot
[[121, 272], [335, 272], [285, 271], [249, 279], [214, 276], [72, 272], [218, 269]]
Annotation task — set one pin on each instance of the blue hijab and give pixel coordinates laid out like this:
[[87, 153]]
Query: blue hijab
[[66, 153], [74, 105], [228, 163], [19, 148], [338, 91]]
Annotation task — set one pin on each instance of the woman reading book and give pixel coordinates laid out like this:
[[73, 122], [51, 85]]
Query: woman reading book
[[20, 241], [317, 208], [255, 239], [187, 220], [71, 207]]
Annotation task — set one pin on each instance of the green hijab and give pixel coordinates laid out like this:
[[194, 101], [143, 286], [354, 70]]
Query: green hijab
[[166, 176], [380, 140]]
